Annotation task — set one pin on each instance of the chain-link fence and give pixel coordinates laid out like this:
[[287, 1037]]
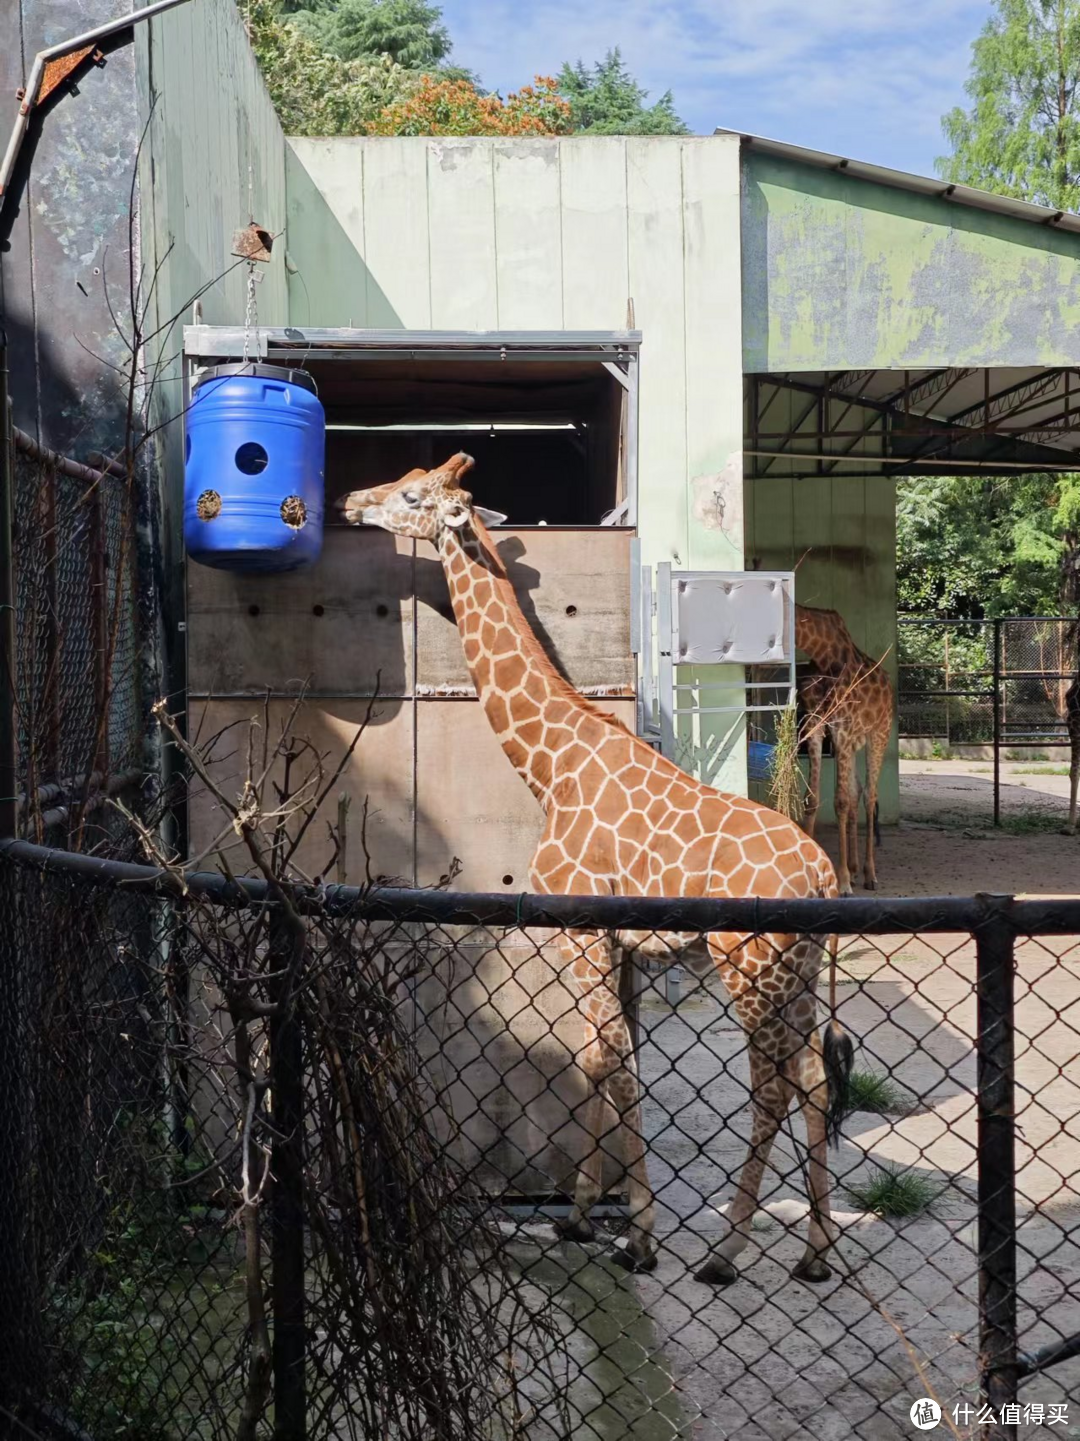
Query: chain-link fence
[[991, 690], [83, 640], [314, 1162]]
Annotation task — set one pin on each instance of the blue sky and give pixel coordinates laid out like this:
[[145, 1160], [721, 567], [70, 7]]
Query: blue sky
[[866, 78]]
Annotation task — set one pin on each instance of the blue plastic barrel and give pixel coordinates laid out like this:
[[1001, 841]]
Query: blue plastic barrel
[[759, 759], [255, 449]]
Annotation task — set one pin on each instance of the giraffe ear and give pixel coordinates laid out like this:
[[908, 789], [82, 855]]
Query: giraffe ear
[[489, 517]]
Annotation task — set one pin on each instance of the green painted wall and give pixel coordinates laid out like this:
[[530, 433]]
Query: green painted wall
[[548, 234], [841, 273]]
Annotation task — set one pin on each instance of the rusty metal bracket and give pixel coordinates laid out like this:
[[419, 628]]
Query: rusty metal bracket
[[253, 242], [54, 66]]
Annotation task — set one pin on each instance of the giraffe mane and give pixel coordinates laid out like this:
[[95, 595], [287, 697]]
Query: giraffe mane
[[530, 643]]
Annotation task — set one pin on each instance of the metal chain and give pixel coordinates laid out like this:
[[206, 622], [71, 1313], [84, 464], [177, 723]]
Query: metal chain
[[251, 314]]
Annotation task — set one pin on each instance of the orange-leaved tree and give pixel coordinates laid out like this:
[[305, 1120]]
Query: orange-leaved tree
[[455, 107]]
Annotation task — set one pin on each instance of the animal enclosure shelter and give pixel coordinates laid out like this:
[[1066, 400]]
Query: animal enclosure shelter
[[714, 355], [293, 1154]]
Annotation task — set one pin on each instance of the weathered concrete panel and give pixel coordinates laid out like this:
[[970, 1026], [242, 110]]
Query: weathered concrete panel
[[574, 589], [470, 802], [343, 625], [501, 1034], [841, 273], [379, 769]]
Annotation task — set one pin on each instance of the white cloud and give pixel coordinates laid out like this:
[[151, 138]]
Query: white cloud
[[870, 79]]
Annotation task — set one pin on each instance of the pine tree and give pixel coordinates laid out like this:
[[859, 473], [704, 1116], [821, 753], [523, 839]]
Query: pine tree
[[1021, 136], [607, 100], [411, 32]]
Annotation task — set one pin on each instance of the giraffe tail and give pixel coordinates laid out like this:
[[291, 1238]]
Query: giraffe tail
[[838, 1055]]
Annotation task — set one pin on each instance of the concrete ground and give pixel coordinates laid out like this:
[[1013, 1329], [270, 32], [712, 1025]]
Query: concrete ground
[[770, 1358]]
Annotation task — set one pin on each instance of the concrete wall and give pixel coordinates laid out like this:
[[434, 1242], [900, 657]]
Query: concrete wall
[[841, 273], [477, 234]]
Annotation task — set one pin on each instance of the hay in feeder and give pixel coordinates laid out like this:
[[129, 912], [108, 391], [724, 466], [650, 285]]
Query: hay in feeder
[[787, 785]]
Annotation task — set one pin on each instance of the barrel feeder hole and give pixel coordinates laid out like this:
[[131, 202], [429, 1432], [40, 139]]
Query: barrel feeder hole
[[208, 505], [251, 458], [571, 610], [293, 511], [508, 880]]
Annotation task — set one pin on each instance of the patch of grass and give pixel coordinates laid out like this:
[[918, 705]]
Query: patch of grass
[[1026, 756], [893, 1191], [1031, 823], [1041, 771], [867, 1091]]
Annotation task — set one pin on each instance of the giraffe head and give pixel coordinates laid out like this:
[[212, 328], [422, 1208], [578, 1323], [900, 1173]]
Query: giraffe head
[[421, 504]]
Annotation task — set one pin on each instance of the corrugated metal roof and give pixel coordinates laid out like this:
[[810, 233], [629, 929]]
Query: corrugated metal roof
[[919, 184]]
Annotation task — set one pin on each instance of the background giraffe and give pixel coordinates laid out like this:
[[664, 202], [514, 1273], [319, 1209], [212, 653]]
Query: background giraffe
[[850, 696], [622, 820]]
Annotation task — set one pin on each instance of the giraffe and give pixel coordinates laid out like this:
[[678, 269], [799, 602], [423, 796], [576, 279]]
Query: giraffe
[[622, 820], [850, 696], [1072, 717]]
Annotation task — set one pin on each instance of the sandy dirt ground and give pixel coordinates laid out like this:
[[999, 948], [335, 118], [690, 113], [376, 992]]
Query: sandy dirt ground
[[769, 1358], [947, 845]]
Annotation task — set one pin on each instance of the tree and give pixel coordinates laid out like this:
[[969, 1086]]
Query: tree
[[982, 546], [1021, 136], [409, 31], [455, 107], [607, 100], [315, 93]]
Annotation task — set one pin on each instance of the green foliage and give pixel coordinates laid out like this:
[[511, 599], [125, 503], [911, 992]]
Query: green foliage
[[975, 547], [128, 1322], [607, 100], [455, 107], [894, 1191], [867, 1091], [410, 32], [314, 92], [1021, 136]]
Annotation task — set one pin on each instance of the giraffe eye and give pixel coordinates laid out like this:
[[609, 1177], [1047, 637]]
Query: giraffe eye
[[411, 498]]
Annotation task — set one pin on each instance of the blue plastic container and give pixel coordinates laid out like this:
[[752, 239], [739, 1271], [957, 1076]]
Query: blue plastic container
[[253, 476], [759, 758]]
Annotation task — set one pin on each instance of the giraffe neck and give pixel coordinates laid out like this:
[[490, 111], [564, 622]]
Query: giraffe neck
[[518, 686], [824, 637]]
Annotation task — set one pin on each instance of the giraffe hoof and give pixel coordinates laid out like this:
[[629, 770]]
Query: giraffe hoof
[[815, 1270], [624, 1257], [870, 884], [569, 1230], [717, 1271]]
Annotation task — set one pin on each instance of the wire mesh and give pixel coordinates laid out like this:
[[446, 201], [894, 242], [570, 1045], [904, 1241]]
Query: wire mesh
[[368, 1144], [81, 641]]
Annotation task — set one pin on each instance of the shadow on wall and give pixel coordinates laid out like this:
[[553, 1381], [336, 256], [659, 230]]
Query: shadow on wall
[[329, 283]]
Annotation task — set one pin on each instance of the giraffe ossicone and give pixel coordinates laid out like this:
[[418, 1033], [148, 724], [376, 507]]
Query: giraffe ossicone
[[622, 820]]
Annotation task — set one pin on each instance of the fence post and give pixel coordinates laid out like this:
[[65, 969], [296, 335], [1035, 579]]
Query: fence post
[[8, 657], [997, 722], [995, 942], [287, 1168]]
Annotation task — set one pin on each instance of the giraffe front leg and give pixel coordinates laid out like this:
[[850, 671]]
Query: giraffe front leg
[[771, 1094], [590, 1177], [814, 745], [846, 804], [625, 1095], [812, 1092], [875, 755]]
